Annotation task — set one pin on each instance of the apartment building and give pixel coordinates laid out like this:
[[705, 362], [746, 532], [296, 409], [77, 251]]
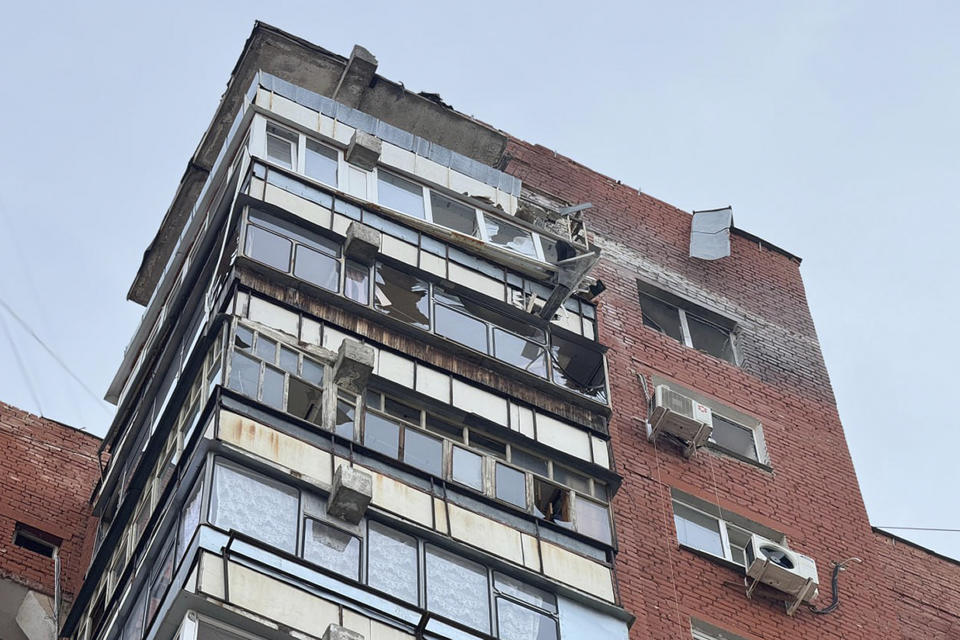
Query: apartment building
[[401, 375]]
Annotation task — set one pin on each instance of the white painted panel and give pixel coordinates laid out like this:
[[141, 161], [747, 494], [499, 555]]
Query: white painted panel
[[396, 248], [310, 332], [341, 224], [357, 182], [309, 211], [277, 447], [521, 419], [394, 156], [332, 338], [601, 453], [477, 281], [433, 383], [484, 533], [563, 436], [295, 112], [395, 368], [274, 316], [433, 264], [431, 171], [342, 133], [476, 400], [326, 125], [401, 499], [576, 571]]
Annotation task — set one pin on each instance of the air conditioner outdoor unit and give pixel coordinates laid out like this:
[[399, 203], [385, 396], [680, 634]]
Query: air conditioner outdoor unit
[[680, 416], [787, 571]]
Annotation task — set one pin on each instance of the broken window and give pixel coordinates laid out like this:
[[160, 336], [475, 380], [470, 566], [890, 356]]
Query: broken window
[[320, 162], [578, 367], [454, 215], [509, 236], [511, 485], [255, 505], [401, 410], [467, 468], [305, 401], [444, 428], [317, 268], [457, 589], [356, 282], [551, 502], [402, 296], [733, 437], [399, 194], [520, 353], [381, 434], [268, 248], [593, 520], [487, 445], [346, 416], [392, 561], [312, 371], [569, 478], [35, 540], [423, 452], [282, 146], [689, 327], [331, 548]]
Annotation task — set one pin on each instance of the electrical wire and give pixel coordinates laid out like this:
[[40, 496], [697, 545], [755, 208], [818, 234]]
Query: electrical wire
[[21, 365], [51, 352], [921, 529]]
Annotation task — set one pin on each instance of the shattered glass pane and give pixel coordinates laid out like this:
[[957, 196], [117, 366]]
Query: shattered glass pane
[[403, 296], [304, 401], [399, 194], [525, 592], [423, 452], [317, 268], [460, 328], [710, 339], [550, 502], [356, 283], [697, 530], [321, 163], [243, 338], [511, 486], [454, 215], [272, 387], [392, 561], [346, 411], [731, 436], [593, 520], [661, 316], [268, 248], [488, 445], [256, 506], [331, 548], [520, 353], [520, 623], [467, 468], [577, 367], [244, 374], [457, 589], [381, 434], [509, 236]]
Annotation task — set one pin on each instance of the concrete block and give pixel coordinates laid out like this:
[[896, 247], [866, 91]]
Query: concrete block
[[364, 150], [351, 493], [353, 366], [336, 632], [362, 244]]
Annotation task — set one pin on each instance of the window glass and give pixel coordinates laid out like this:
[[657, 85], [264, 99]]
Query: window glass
[[571, 479], [577, 367], [551, 502], [268, 248], [697, 530], [320, 163], [312, 371], [162, 577], [511, 486], [399, 194], [281, 146], [381, 434], [423, 452], [488, 445], [457, 589], [189, 520], [468, 468], [528, 461], [445, 429], [525, 592], [346, 413], [739, 539], [402, 296], [400, 410], [454, 215], [243, 339], [266, 348], [710, 339], [356, 283], [294, 231], [509, 236], [392, 561], [133, 628], [289, 360], [304, 401], [317, 268], [517, 622], [593, 520], [520, 353], [661, 316], [272, 387], [255, 505], [731, 436], [331, 548], [460, 328]]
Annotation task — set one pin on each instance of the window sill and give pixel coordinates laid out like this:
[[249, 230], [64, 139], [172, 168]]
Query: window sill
[[729, 564], [726, 453]]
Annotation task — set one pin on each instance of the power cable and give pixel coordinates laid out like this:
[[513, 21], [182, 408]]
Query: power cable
[[21, 365], [921, 529], [51, 352]]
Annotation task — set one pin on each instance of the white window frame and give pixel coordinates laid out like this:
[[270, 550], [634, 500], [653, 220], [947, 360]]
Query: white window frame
[[722, 526], [687, 341], [759, 444]]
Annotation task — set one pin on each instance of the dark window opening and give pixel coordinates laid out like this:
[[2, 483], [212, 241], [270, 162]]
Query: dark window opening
[[304, 401], [578, 368], [551, 502], [35, 540], [402, 296], [733, 437], [661, 317]]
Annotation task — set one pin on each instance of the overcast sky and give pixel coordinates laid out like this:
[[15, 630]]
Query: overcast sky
[[832, 128]]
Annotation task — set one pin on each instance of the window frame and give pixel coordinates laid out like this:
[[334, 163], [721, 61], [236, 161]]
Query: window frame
[[725, 526], [685, 308]]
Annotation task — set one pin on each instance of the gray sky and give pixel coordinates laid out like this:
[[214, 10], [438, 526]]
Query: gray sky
[[831, 128]]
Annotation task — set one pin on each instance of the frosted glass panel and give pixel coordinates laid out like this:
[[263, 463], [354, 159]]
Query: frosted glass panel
[[457, 589], [392, 562], [331, 548], [256, 506]]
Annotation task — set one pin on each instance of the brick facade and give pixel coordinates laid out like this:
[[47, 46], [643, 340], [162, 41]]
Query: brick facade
[[810, 492], [47, 472]]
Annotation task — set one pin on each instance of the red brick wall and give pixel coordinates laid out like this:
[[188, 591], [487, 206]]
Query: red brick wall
[[47, 472], [811, 495], [926, 589]]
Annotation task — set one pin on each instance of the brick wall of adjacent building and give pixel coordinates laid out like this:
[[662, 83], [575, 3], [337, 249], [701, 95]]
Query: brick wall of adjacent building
[[47, 472], [810, 493]]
